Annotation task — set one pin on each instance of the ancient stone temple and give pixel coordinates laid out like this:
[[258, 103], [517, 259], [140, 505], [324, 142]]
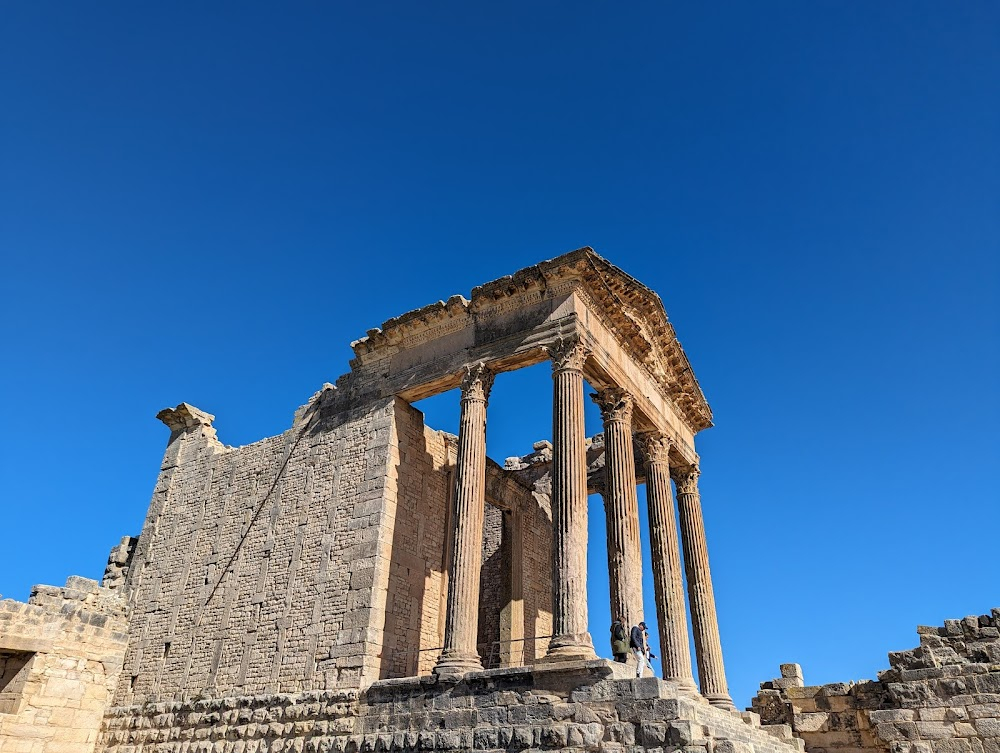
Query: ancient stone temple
[[363, 582]]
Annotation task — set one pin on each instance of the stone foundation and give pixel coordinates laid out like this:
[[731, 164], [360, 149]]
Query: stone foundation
[[585, 706]]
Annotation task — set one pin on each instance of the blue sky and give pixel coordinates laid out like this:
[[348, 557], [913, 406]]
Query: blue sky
[[208, 204]]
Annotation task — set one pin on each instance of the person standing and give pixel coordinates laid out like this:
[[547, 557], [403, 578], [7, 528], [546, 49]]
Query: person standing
[[619, 640], [637, 642], [649, 652]]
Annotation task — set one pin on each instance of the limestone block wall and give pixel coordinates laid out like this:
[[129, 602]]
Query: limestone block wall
[[416, 527], [517, 569], [943, 695], [314, 559], [263, 568], [495, 585], [60, 658], [536, 563]]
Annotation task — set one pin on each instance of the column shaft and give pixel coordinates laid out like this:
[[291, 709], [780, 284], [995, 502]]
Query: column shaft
[[569, 506], [621, 506], [462, 618], [668, 580], [708, 645]]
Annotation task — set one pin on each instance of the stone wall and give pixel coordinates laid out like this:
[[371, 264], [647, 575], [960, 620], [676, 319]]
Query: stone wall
[[495, 584], [60, 658], [524, 591], [315, 559], [416, 526], [536, 564], [943, 695], [256, 567]]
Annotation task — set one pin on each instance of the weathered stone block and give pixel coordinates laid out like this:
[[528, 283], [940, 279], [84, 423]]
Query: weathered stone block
[[653, 734], [892, 715], [815, 722], [988, 727]]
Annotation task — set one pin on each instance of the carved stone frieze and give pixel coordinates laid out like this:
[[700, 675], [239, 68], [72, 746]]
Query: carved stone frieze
[[416, 327]]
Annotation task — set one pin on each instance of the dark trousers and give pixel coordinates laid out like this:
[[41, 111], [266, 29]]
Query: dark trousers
[[620, 658]]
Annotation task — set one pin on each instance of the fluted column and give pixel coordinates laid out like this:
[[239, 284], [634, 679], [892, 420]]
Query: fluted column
[[621, 506], [569, 506], [707, 643], [668, 580], [462, 618]]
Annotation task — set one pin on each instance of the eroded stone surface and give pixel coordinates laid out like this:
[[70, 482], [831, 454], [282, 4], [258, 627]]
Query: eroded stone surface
[[943, 695], [60, 659], [586, 706]]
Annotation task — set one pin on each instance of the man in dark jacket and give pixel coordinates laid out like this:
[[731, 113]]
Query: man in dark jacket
[[637, 642], [619, 640]]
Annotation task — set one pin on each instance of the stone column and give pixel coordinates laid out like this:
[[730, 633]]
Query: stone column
[[462, 619], [668, 581], [621, 506], [707, 644], [570, 639]]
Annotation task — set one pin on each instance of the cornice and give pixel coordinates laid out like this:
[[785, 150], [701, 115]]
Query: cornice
[[636, 316]]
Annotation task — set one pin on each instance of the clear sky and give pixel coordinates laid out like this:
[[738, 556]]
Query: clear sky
[[208, 202]]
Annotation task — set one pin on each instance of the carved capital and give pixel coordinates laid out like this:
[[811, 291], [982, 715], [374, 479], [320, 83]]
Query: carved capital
[[567, 354], [477, 382], [656, 446], [687, 480], [615, 404]]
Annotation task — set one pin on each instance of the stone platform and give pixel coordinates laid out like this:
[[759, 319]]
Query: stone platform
[[580, 706]]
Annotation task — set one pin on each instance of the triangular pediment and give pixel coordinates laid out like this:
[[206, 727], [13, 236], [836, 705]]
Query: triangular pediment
[[629, 309]]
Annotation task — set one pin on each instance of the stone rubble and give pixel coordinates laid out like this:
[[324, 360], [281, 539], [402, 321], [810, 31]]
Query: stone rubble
[[943, 695]]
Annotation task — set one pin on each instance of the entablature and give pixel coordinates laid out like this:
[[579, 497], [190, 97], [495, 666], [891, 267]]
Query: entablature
[[507, 324]]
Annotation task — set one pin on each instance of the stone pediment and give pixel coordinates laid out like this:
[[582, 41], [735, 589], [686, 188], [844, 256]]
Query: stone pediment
[[630, 311]]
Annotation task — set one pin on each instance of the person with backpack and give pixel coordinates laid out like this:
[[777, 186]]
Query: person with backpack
[[619, 640], [637, 642]]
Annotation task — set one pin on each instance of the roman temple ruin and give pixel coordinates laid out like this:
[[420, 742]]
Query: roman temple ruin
[[365, 583]]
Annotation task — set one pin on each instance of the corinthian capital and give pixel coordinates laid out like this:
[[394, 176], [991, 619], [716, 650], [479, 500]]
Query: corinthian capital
[[477, 382], [655, 446], [687, 480], [567, 354], [615, 404]]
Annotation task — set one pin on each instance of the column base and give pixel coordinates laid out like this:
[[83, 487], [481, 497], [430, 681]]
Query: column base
[[721, 700], [570, 647], [685, 684], [456, 663]]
